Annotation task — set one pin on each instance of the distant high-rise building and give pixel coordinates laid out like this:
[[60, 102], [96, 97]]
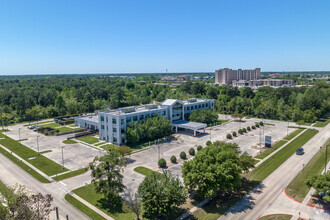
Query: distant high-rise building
[[226, 76]]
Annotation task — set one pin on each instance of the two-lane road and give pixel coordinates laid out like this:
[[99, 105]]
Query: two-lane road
[[267, 196]]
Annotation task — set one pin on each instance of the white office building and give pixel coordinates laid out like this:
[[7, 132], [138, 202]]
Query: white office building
[[112, 124]]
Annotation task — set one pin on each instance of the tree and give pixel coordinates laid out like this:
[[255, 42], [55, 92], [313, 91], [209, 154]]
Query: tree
[[199, 148], [22, 204], [234, 134], [237, 116], [173, 159], [162, 163], [134, 203], [204, 116], [300, 122], [246, 162], [192, 151], [107, 177], [248, 128], [228, 136], [183, 155], [214, 168], [240, 131], [321, 183], [161, 194], [124, 150]]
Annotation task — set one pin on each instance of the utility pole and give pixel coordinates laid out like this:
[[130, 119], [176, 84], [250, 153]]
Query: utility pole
[[158, 152], [19, 133], [38, 144], [210, 133], [62, 158]]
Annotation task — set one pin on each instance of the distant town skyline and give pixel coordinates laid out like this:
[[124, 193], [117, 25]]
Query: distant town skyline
[[77, 37]]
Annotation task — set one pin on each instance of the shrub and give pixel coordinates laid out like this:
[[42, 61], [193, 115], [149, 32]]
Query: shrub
[[183, 155], [240, 131], [257, 125], [208, 143], [162, 163], [261, 123], [199, 148], [173, 159], [248, 128], [192, 151], [234, 134], [244, 130], [253, 127], [229, 136]]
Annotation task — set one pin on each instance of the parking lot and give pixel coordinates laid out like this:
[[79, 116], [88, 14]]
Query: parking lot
[[76, 156]]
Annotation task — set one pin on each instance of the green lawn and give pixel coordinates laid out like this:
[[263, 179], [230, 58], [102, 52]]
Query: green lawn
[[272, 163], [70, 174], [41, 162], [52, 125], [143, 170], [40, 123], [277, 217], [67, 129], [269, 124], [46, 151], [89, 139], [322, 122], [89, 194], [69, 141], [25, 167], [269, 151], [297, 189], [83, 208], [293, 134]]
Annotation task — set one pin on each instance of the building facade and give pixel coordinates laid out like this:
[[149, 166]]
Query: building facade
[[263, 82], [112, 124], [226, 76]]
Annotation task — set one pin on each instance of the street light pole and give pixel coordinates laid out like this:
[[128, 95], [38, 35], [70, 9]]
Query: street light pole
[[38, 144], [19, 133], [62, 157], [260, 137]]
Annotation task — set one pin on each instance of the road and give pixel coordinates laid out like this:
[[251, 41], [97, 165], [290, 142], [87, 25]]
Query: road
[[11, 174], [268, 197]]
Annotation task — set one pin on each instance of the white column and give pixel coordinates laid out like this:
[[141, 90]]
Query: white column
[[176, 129], [194, 133], [204, 130]]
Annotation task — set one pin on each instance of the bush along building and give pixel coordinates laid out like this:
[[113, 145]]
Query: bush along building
[[112, 124]]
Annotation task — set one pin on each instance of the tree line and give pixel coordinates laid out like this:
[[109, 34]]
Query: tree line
[[31, 98]]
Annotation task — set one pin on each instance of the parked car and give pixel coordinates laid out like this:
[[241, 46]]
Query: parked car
[[300, 151]]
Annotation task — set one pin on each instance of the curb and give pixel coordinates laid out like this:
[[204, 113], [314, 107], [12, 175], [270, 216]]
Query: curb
[[274, 214], [301, 202]]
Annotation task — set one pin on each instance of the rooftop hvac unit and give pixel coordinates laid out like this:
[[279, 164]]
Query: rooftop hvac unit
[[192, 100], [128, 109]]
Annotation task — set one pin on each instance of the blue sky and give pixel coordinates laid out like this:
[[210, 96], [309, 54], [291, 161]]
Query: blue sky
[[77, 36]]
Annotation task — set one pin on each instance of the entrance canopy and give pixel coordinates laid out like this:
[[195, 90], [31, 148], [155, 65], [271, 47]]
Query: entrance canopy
[[189, 125]]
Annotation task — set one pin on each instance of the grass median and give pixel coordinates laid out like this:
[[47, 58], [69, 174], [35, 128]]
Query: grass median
[[293, 134], [25, 167], [69, 141], [89, 139], [143, 170], [272, 163], [41, 162], [269, 151], [83, 208], [89, 194], [297, 189], [322, 122], [70, 174]]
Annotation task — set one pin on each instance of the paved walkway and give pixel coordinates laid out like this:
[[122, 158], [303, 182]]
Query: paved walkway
[[92, 207]]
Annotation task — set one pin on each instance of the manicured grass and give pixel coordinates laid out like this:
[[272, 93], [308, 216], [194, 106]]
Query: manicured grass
[[297, 189], [277, 217], [40, 123], [70, 174], [143, 170], [322, 122], [67, 129], [25, 167], [269, 124], [269, 151], [89, 139], [41, 162], [46, 151], [293, 134], [89, 194], [52, 125], [3, 189], [107, 146], [25, 139], [272, 163], [83, 208], [69, 141]]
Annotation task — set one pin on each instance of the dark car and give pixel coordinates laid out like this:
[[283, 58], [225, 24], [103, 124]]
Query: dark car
[[300, 151]]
